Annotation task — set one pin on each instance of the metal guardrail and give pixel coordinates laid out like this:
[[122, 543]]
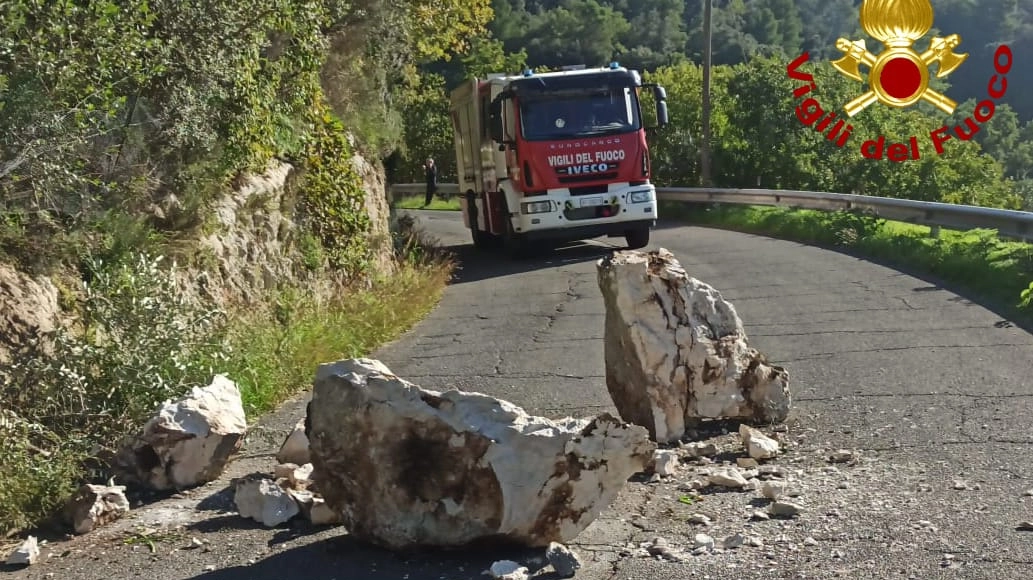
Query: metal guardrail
[[1008, 223]]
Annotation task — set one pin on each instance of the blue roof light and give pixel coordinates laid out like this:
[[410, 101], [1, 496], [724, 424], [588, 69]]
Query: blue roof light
[[614, 65], [527, 72]]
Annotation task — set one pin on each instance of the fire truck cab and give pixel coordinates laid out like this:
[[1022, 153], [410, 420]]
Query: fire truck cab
[[558, 156]]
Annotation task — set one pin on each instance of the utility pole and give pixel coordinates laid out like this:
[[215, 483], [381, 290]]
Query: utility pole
[[705, 149]]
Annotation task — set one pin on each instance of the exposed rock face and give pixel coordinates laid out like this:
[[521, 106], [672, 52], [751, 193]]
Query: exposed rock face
[[190, 441], [407, 467], [676, 351], [28, 306], [94, 506]]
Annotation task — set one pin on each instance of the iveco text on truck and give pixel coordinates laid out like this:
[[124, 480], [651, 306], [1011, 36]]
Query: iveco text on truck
[[560, 156]]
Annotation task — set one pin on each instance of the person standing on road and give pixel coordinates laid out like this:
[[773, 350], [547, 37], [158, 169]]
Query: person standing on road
[[432, 180]]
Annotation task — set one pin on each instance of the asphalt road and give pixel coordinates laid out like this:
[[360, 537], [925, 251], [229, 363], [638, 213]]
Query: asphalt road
[[928, 387]]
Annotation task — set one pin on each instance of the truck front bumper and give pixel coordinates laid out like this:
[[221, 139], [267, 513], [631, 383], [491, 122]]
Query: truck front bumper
[[613, 229], [564, 216]]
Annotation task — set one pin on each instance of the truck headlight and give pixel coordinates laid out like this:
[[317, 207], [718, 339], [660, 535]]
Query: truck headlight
[[536, 207], [640, 197]]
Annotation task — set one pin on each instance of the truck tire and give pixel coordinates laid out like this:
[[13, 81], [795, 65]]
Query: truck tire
[[481, 238], [637, 238]]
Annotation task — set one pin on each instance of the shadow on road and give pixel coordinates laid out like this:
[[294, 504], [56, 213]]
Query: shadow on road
[[345, 558], [476, 265]]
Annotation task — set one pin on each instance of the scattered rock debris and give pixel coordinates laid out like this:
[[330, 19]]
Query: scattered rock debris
[[26, 554]]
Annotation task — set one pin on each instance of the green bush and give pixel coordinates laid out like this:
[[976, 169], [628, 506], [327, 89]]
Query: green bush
[[137, 342]]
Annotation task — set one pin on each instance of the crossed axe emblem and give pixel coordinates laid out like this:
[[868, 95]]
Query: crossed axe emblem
[[940, 51]]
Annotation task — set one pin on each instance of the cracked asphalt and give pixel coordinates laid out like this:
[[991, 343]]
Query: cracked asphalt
[[929, 387]]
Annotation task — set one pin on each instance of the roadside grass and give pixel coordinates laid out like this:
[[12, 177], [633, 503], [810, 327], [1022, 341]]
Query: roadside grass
[[275, 357], [977, 260], [66, 406], [416, 202]]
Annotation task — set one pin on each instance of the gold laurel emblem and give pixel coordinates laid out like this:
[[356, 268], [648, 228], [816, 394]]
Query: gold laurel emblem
[[898, 76]]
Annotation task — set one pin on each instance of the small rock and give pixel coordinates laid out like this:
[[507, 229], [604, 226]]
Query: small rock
[[838, 554], [320, 514], [1028, 493], [26, 554], [773, 490], [732, 542], [960, 485], [665, 462], [843, 456], [563, 560], [96, 505], [700, 449], [727, 477], [758, 445], [843, 485], [209, 568], [703, 541], [657, 546], [784, 509], [769, 471], [508, 570], [809, 541], [699, 519], [655, 478], [760, 516], [747, 462], [295, 446], [755, 542], [262, 500], [1025, 527]]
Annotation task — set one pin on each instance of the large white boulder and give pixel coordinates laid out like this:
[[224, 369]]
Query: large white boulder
[[409, 467], [676, 351], [190, 441]]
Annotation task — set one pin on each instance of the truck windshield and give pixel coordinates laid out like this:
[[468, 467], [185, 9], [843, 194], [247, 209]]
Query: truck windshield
[[581, 113]]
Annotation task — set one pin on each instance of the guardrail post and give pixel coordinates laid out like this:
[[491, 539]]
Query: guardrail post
[[934, 232]]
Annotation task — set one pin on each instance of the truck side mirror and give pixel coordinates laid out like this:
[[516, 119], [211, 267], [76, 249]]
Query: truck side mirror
[[661, 114], [660, 95]]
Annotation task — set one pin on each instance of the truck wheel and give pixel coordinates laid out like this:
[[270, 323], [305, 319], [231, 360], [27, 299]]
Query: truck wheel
[[637, 238], [481, 238]]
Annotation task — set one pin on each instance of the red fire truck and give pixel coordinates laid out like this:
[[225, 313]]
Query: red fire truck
[[558, 156]]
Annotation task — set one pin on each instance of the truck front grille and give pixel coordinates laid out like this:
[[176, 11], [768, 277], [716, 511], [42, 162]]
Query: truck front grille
[[594, 177], [590, 189]]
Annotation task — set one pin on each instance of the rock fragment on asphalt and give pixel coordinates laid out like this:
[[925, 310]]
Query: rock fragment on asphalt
[[26, 554], [563, 560], [94, 506], [508, 570], [758, 445], [261, 499]]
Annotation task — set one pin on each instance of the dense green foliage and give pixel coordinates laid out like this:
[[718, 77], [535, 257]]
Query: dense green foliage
[[120, 122], [120, 106], [757, 139]]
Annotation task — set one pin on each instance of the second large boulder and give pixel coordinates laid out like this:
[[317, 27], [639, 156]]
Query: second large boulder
[[409, 467], [676, 351]]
